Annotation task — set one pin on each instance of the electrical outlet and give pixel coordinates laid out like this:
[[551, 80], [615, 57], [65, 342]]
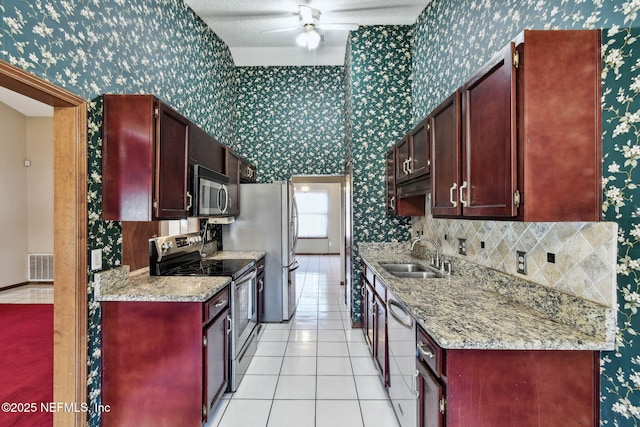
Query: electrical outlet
[[481, 245], [462, 246], [96, 259], [551, 257], [522, 262]]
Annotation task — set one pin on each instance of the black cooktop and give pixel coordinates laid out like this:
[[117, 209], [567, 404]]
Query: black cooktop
[[214, 267]]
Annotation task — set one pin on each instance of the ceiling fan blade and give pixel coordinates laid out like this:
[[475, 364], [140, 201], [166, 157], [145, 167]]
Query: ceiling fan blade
[[370, 9], [347, 27], [280, 30], [246, 15]]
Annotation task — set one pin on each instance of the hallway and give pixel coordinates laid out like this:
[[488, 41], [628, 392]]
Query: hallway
[[313, 371]]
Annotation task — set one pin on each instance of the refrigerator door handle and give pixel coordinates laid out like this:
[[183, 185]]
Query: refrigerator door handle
[[296, 225], [293, 266]]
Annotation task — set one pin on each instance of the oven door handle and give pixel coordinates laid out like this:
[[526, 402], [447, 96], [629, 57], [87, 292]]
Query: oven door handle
[[247, 278]]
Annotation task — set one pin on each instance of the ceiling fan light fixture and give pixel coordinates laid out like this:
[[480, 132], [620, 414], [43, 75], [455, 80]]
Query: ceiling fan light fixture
[[309, 39]]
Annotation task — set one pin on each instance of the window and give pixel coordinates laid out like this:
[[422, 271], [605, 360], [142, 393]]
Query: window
[[313, 211]]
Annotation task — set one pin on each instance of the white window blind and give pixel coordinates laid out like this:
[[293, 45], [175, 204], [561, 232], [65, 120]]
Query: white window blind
[[313, 212]]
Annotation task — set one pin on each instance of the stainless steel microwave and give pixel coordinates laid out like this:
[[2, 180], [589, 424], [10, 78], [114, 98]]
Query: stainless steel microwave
[[210, 192]]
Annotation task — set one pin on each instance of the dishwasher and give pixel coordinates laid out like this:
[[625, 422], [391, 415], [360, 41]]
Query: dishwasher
[[401, 335]]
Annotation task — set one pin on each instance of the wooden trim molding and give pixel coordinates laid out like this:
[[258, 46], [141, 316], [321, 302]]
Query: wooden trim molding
[[70, 237]]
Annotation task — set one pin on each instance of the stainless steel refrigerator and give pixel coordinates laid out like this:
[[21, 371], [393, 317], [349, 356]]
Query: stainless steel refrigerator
[[268, 222]]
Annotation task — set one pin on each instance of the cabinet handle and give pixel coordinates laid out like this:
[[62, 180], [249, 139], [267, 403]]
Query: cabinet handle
[[415, 383], [462, 200], [261, 288], [229, 320], [409, 165], [404, 167], [451, 190], [392, 203], [221, 303], [190, 198], [425, 353]]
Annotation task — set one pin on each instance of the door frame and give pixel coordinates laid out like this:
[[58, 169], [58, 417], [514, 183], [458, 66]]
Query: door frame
[[70, 314]]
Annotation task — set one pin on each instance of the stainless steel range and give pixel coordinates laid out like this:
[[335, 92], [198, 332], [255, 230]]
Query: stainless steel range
[[180, 255]]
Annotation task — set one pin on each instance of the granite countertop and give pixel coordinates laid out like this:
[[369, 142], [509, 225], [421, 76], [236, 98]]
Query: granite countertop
[[119, 284], [469, 311]]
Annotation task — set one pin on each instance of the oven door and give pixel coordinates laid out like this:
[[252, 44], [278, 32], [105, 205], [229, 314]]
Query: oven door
[[245, 314]]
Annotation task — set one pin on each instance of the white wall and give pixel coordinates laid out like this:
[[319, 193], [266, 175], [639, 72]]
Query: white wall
[[334, 241], [13, 193], [26, 211], [40, 185]]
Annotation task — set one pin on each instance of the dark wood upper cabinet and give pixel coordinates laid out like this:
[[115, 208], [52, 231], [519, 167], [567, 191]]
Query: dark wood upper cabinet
[[233, 173], [412, 154], [144, 159], [559, 125], [403, 153], [420, 159], [530, 141], [248, 172], [489, 139], [205, 150], [446, 157], [390, 182]]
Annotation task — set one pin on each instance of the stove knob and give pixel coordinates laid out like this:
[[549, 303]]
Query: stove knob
[[164, 246]]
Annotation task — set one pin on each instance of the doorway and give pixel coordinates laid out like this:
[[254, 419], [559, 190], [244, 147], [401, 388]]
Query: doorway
[[329, 240], [70, 236]]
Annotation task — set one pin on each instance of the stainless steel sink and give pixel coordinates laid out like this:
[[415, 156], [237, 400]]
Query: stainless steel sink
[[410, 270], [417, 274], [410, 267]]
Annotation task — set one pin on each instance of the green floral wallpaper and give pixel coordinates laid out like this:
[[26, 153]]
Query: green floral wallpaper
[[378, 112], [290, 120], [393, 76], [91, 47]]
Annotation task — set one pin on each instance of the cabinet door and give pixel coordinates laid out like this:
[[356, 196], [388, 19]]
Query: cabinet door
[[216, 360], [172, 136], [390, 193], [431, 404], [206, 150], [446, 157], [380, 332], [233, 172], [403, 153], [247, 171], [489, 177], [420, 162]]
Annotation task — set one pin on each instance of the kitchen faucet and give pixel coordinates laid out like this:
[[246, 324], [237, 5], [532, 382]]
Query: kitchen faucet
[[435, 245]]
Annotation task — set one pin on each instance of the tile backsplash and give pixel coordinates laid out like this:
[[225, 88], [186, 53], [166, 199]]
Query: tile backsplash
[[578, 258]]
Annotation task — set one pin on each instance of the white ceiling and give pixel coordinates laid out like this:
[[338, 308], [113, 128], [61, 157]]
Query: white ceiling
[[241, 23], [25, 105]]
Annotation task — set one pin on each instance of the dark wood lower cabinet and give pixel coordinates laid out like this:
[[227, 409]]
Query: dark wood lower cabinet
[[163, 363], [431, 407], [488, 388]]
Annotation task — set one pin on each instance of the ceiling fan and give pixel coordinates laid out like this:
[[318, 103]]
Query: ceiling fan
[[309, 23]]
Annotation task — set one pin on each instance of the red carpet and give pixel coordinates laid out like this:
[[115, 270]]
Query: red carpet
[[26, 364]]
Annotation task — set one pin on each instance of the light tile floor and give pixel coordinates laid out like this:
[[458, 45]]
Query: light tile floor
[[28, 294], [313, 371]]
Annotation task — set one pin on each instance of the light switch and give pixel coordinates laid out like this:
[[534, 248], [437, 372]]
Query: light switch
[[96, 259]]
